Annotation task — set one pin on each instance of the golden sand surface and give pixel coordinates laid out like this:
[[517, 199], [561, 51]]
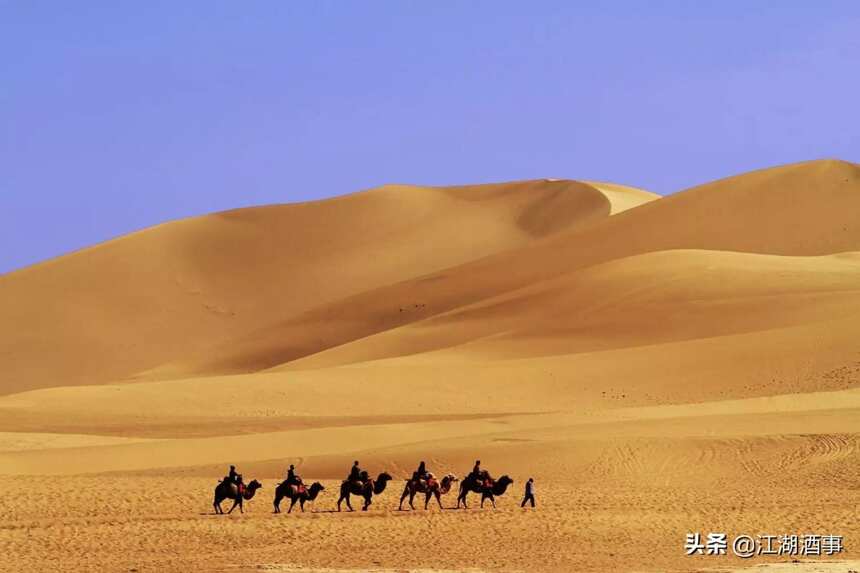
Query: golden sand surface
[[659, 366]]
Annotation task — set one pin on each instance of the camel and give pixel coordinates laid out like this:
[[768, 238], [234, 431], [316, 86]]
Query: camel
[[497, 487], [227, 490], [365, 489], [435, 488], [295, 494]]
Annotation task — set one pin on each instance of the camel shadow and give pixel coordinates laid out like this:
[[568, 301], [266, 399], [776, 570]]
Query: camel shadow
[[428, 510]]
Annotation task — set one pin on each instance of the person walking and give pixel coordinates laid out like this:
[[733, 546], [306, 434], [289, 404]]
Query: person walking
[[530, 493]]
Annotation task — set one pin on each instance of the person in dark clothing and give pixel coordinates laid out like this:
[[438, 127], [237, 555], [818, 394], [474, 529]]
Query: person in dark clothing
[[420, 473], [476, 471], [530, 493], [480, 476], [354, 473], [292, 478], [233, 477]]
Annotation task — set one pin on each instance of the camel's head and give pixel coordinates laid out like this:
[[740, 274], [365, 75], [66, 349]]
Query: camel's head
[[450, 478], [384, 476], [505, 480], [254, 485], [317, 486]]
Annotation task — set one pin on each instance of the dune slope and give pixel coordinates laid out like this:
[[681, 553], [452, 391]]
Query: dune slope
[[132, 304], [801, 210]]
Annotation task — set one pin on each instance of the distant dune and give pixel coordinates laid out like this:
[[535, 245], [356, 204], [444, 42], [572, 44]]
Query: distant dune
[[140, 301], [659, 365], [805, 209]]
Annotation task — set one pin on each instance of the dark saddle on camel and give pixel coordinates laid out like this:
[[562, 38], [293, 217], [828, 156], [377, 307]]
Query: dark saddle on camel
[[298, 488], [240, 487], [484, 481]]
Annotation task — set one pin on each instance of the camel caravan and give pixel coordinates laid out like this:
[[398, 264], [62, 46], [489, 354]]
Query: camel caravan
[[360, 483]]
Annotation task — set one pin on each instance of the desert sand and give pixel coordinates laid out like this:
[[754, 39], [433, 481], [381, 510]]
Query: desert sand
[[660, 366]]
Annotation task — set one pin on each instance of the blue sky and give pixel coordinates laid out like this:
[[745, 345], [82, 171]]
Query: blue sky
[[119, 115]]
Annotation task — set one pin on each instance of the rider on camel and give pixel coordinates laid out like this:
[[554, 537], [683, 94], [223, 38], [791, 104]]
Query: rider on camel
[[421, 473], [234, 478], [479, 476], [355, 473], [475, 474], [292, 478]]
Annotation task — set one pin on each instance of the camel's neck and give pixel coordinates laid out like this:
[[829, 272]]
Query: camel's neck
[[313, 493], [500, 488], [379, 486], [249, 493]]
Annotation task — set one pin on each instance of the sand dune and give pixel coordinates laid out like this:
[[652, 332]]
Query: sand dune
[[818, 198], [181, 287], [659, 365], [640, 300]]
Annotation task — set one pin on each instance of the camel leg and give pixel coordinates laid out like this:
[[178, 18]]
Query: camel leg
[[346, 499], [366, 503], [235, 503], [486, 496], [302, 504], [490, 497], [411, 499], [277, 504], [427, 498], [463, 498], [292, 503], [402, 497]]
